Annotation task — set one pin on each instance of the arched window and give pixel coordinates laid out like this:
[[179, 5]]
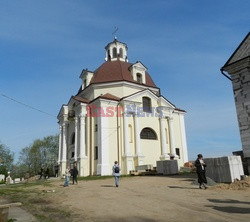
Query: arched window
[[139, 78], [114, 52], [85, 83], [109, 57], [148, 133], [120, 53], [146, 101], [72, 138]]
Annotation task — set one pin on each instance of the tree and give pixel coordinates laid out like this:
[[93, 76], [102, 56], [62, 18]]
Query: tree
[[41, 154], [6, 159]]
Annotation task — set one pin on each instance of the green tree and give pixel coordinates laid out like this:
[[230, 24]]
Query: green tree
[[6, 159], [40, 154]]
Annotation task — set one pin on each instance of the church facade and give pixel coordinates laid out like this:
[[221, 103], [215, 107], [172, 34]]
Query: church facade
[[119, 114]]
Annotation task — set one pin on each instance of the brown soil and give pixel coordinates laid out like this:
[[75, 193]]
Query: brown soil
[[236, 185], [151, 199]]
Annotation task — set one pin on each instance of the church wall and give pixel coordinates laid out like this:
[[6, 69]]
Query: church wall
[[151, 149], [113, 146], [131, 135], [178, 138], [119, 91]]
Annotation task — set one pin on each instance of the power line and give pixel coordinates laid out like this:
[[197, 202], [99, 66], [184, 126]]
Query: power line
[[30, 107]]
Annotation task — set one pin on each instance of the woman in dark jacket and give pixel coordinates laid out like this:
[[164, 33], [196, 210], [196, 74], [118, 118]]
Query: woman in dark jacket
[[201, 172], [74, 174]]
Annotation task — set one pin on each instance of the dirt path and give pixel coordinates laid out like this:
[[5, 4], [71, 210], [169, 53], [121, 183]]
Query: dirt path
[[152, 199]]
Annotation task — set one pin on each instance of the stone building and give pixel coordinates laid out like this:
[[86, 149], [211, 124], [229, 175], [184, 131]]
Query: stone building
[[238, 68], [119, 114]]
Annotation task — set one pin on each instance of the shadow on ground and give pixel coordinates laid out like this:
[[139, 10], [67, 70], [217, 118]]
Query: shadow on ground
[[230, 209], [187, 188], [228, 201]]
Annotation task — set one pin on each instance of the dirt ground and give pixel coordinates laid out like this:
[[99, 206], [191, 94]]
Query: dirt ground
[[151, 199]]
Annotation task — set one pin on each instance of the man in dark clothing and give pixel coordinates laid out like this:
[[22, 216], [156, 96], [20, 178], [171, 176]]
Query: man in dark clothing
[[74, 174], [56, 170], [41, 173], [47, 174], [201, 172]]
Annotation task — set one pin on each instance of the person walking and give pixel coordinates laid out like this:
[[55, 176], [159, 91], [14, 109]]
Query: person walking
[[67, 176], [116, 173], [41, 174], [74, 174], [201, 171]]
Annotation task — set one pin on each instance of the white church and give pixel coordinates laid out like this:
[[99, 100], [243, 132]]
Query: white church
[[119, 114]]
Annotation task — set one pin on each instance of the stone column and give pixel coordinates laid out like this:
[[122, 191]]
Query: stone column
[[82, 146], [139, 156], [82, 137], [128, 157], [172, 136], [64, 148], [60, 145], [183, 139], [125, 133], [137, 136], [103, 167], [76, 138], [164, 145]]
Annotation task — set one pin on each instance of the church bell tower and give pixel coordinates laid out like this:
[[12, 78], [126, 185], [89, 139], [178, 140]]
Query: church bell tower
[[116, 51]]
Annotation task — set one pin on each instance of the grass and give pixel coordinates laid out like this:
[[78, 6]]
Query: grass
[[36, 201]]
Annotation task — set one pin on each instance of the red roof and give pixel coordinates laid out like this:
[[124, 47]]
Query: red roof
[[81, 99], [113, 71], [110, 96]]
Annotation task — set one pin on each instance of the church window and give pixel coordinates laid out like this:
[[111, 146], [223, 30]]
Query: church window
[[139, 78], [85, 83], [130, 133], [96, 128], [109, 57], [120, 53], [114, 52], [146, 104], [148, 133], [72, 154], [96, 152], [72, 138]]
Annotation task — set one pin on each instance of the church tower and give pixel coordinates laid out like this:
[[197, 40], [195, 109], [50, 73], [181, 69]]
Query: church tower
[[116, 51]]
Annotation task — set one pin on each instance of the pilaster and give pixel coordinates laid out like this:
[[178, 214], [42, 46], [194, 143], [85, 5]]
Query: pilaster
[[103, 167], [172, 136], [76, 138]]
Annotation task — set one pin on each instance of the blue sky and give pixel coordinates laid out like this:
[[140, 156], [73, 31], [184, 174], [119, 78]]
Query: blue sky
[[44, 45]]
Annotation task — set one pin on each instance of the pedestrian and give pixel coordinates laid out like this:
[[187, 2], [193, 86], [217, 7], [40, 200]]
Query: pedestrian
[[41, 173], [74, 174], [56, 170], [201, 171], [67, 176], [47, 173], [116, 173]]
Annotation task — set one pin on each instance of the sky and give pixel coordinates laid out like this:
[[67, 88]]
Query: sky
[[44, 45]]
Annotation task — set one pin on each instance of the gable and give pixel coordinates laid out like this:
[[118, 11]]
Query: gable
[[164, 102], [242, 51], [137, 97]]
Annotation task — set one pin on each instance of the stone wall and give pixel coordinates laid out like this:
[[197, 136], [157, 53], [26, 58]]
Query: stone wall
[[224, 169], [167, 167], [241, 88]]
